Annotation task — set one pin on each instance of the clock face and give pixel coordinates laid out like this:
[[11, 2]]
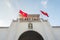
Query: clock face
[[30, 26], [30, 35]]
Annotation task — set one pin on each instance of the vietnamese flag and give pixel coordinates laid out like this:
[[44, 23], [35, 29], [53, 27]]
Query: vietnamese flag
[[44, 13], [23, 13]]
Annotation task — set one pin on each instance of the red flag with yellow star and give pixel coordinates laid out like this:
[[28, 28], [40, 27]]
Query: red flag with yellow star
[[23, 13], [44, 13]]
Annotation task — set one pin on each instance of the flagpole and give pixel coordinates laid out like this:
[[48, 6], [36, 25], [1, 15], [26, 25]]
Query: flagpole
[[41, 16]]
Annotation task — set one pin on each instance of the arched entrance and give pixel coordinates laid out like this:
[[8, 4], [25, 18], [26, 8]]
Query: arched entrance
[[30, 35]]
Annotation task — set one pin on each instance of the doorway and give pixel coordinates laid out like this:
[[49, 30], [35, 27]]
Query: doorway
[[30, 35]]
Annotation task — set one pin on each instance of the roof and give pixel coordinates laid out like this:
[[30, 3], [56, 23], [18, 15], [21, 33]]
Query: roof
[[55, 26]]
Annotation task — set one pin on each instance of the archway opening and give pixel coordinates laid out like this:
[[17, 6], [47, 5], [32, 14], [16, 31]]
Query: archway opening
[[30, 35]]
